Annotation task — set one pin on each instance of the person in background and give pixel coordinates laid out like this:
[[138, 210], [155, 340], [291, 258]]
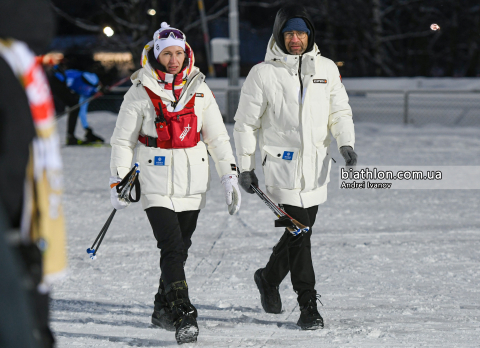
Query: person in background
[[167, 108], [30, 161], [72, 87], [293, 101]]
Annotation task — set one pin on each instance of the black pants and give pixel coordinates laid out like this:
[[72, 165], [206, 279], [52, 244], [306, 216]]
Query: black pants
[[293, 254], [61, 91], [173, 232]]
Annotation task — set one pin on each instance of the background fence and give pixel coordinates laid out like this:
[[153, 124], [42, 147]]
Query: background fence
[[418, 107]]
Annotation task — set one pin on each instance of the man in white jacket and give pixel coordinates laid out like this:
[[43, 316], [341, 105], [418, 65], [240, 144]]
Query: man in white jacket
[[293, 101]]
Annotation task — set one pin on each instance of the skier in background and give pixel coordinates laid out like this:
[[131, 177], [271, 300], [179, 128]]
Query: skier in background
[[293, 101], [166, 109], [30, 162], [72, 87]]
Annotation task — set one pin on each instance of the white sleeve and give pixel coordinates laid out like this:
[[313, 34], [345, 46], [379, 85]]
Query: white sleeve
[[216, 137], [125, 135], [340, 120], [251, 107]]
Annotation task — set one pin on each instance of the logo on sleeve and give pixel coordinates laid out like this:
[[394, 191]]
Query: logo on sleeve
[[159, 161], [320, 81], [233, 166], [287, 155], [199, 95]]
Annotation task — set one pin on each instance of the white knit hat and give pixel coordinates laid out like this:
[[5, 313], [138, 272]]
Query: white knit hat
[[167, 36]]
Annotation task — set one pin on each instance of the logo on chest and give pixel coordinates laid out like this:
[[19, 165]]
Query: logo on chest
[[320, 81], [185, 132]]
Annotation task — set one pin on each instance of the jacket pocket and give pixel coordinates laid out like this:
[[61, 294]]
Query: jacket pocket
[[154, 170], [323, 166], [198, 171], [280, 167]]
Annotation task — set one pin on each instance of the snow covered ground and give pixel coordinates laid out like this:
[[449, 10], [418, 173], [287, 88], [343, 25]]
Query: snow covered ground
[[396, 268]]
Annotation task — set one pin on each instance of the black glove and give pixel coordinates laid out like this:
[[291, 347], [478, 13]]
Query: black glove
[[246, 179], [349, 155]]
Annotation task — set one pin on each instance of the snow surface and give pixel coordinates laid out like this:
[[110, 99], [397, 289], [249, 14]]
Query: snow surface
[[394, 268]]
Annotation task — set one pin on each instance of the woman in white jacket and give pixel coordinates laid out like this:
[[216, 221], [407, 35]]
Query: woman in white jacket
[[167, 108]]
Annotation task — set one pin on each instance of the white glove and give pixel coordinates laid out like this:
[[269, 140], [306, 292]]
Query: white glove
[[232, 193], [116, 201]]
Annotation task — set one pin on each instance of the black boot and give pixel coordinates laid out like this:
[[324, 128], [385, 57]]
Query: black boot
[[162, 314], [310, 319], [184, 314], [269, 294], [72, 140], [92, 138]]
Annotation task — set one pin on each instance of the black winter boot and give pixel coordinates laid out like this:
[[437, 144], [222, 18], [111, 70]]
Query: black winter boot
[[184, 314], [269, 294], [310, 319], [92, 138], [162, 314], [72, 140]]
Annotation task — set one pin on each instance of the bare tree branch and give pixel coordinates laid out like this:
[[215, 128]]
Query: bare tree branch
[[407, 35], [209, 18], [263, 4], [122, 21], [78, 22]]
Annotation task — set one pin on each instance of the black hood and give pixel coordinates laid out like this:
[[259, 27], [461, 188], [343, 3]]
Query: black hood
[[283, 15], [30, 21]]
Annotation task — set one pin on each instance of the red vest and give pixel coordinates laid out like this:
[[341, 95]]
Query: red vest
[[175, 130]]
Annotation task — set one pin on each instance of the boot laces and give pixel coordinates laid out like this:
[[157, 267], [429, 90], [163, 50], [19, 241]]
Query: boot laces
[[312, 303]]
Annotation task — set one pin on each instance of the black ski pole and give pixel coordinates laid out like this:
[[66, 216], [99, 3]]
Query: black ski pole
[[95, 96], [124, 190], [93, 250]]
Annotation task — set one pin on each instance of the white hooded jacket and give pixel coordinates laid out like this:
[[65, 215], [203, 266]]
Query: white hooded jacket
[[293, 121], [176, 179]]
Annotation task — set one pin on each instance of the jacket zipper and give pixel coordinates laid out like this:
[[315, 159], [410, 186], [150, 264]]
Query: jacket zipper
[[300, 77], [174, 105]]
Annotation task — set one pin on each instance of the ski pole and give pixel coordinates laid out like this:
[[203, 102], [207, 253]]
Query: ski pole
[[95, 96], [93, 250], [124, 189], [284, 220]]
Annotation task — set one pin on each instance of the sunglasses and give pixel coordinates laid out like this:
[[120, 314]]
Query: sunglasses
[[174, 33]]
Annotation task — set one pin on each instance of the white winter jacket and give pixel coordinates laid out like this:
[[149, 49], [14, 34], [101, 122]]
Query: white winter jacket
[[172, 178], [293, 124]]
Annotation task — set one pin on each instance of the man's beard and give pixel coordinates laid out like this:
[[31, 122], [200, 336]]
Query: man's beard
[[298, 50]]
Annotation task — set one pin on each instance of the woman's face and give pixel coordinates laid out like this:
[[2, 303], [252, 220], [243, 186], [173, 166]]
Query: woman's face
[[172, 59]]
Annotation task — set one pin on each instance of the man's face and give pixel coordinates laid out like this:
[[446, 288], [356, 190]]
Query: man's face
[[295, 41]]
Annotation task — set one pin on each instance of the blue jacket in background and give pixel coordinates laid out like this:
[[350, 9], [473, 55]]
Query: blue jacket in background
[[81, 82]]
